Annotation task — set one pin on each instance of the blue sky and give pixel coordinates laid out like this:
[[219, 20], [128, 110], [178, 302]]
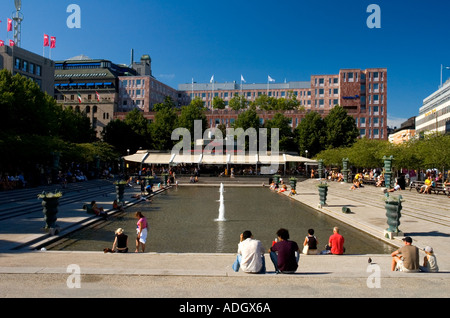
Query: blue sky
[[288, 40]]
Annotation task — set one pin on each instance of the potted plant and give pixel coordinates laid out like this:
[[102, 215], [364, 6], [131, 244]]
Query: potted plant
[[323, 191], [50, 202], [293, 182], [120, 189]]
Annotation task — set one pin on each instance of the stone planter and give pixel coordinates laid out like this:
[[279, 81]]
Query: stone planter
[[120, 190], [50, 210], [393, 208], [293, 183], [276, 178], [323, 191]]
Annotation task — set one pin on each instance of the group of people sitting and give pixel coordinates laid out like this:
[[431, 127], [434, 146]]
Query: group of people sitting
[[284, 253]]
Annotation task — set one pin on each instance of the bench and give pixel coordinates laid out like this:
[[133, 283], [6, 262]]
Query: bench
[[438, 188]]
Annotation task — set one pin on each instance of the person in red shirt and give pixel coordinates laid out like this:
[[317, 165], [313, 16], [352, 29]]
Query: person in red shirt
[[336, 243]]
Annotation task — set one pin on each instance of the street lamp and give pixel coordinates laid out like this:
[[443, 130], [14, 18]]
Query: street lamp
[[306, 152]]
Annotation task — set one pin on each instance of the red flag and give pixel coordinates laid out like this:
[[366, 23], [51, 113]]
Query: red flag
[[2, 43], [9, 25], [46, 40], [52, 42], [11, 43], [98, 96]]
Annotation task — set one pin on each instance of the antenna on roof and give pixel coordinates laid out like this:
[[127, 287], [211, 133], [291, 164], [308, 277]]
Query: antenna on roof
[[132, 57]]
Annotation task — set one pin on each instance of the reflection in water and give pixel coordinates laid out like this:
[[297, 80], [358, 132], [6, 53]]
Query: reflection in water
[[183, 220], [220, 237]]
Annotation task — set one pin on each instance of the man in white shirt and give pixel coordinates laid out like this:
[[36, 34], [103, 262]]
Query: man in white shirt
[[250, 255]]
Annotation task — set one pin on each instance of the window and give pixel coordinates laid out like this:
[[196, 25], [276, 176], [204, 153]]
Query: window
[[25, 66], [350, 77], [376, 99], [17, 64], [375, 110], [375, 76], [31, 70], [38, 70]]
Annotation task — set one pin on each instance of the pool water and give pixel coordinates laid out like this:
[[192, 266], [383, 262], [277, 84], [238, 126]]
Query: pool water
[[183, 220]]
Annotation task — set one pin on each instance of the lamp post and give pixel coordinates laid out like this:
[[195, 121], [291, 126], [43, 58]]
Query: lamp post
[[306, 164]]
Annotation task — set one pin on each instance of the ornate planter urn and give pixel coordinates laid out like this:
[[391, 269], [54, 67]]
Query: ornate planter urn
[[276, 178], [50, 210], [50, 203], [293, 183], [323, 191], [393, 208], [120, 190]]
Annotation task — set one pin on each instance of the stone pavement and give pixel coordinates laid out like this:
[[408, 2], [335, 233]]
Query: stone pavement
[[27, 272]]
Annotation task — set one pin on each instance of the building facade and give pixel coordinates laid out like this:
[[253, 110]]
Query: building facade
[[90, 86], [363, 93], [434, 115], [35, 67]]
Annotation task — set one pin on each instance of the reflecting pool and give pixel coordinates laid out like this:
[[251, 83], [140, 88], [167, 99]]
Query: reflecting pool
[[185, 220]]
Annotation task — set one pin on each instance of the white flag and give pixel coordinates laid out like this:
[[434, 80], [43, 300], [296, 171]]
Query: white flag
[[242, 78], [212, 79], [271, 79]]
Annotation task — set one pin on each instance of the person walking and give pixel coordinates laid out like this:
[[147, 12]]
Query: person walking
[[142, 231]]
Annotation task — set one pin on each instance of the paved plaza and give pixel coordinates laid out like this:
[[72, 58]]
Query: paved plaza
[[26, 271]]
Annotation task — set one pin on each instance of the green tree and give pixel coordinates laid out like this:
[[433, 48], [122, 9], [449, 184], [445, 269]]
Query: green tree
[[341, 129], [121, 136], [161, 129], [286, 135], [310, 134], [189, 114], [238, 102], [218, 103]]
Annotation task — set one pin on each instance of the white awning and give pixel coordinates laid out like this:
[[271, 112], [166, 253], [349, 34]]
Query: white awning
[[143, 156]]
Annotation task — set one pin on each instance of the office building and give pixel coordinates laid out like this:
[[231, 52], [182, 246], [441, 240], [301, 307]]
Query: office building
[[35, 67], [434, 115], [363, 93]]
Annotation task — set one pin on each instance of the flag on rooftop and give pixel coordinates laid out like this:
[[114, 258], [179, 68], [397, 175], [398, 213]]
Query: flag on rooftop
[[9, 25], [11, 43], [242, 79], [2, 43], [271, 79], [212, 79]]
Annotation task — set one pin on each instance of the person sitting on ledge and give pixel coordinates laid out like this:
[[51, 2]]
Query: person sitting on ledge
[[99, 211], [117, 206]]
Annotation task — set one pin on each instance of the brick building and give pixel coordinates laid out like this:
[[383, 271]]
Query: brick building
[[363, 93]]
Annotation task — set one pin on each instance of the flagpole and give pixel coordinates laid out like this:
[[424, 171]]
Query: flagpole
[[441, 75]]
